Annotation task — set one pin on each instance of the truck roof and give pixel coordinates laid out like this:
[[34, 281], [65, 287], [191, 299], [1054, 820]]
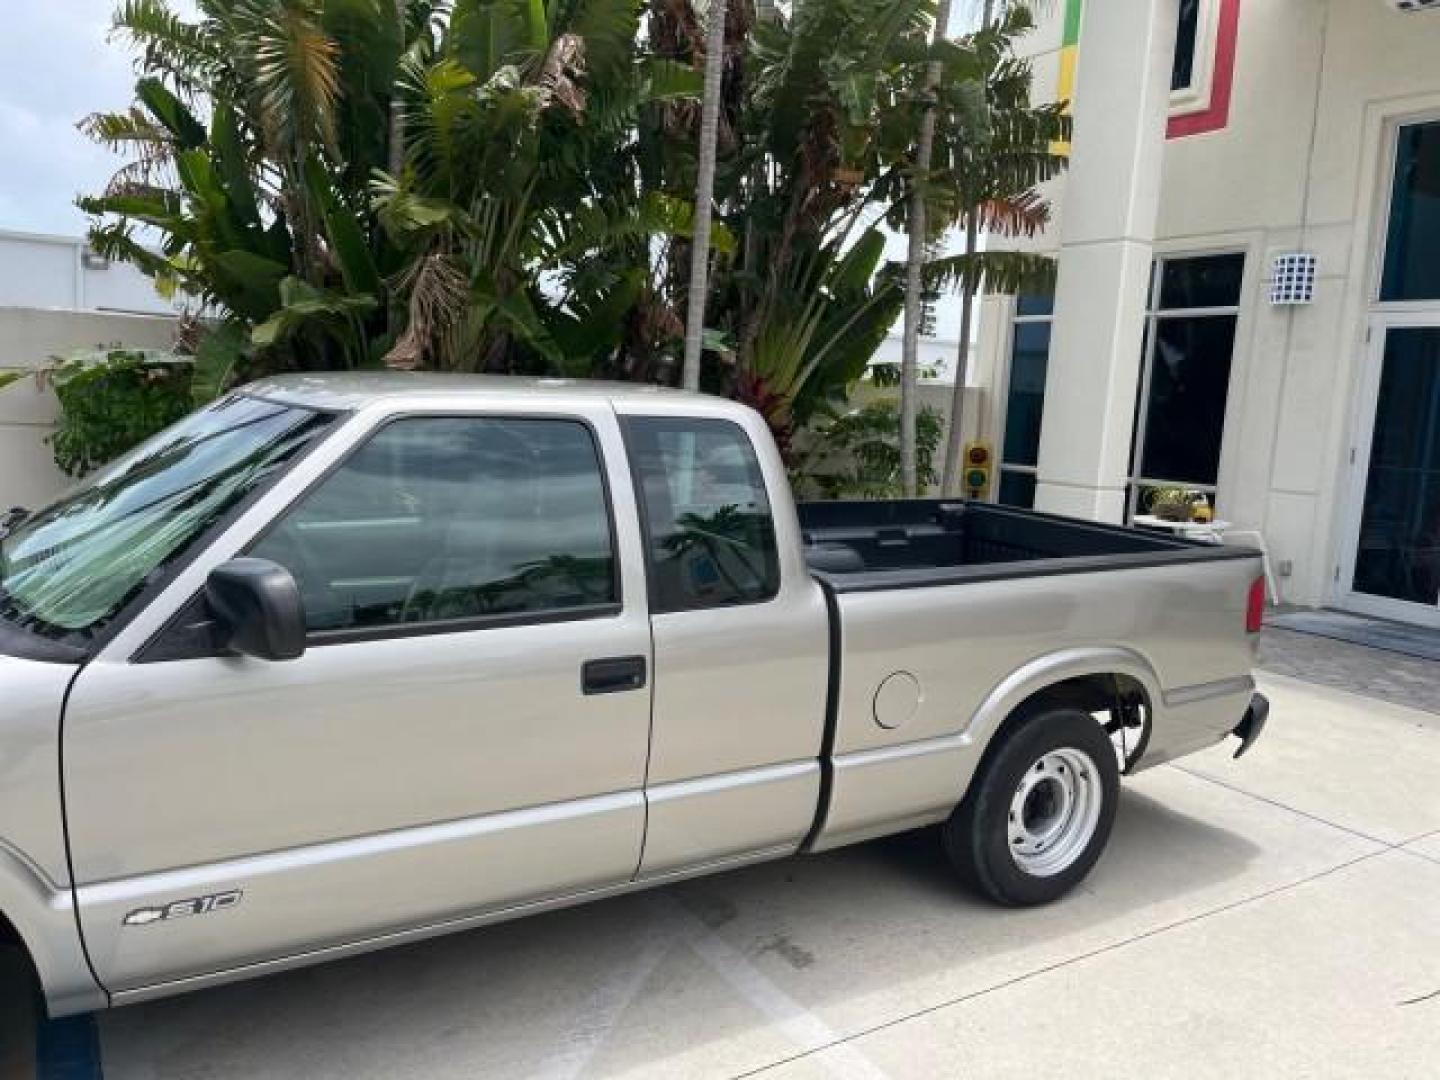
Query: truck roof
[[355, 390]]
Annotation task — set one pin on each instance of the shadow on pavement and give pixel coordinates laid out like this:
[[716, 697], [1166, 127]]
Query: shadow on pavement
[[621, 984]]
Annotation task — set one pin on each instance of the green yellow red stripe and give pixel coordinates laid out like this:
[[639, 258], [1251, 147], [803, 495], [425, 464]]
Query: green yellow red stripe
[[1071, 36], [1069, 59]]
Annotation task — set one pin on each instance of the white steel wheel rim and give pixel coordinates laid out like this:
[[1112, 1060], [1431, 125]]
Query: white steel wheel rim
[[1055, 812]]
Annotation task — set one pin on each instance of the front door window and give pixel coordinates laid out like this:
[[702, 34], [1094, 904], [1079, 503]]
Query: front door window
[[450, 523]]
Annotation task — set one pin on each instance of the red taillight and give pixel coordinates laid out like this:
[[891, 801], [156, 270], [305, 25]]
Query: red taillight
[[1255, 607]]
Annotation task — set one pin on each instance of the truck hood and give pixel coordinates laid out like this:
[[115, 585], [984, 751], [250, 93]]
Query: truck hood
[[18, 644]]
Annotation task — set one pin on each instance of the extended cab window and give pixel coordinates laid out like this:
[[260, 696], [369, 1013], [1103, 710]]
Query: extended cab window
[[707, 517], [438, 519]]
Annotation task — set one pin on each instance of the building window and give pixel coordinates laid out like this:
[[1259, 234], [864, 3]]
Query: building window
[[1202, 73], [1185, 377], [1412, 271], [1187, 40], [1025, 399]]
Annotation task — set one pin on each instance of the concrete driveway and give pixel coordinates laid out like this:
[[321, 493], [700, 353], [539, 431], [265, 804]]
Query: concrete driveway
[[1277, 916]]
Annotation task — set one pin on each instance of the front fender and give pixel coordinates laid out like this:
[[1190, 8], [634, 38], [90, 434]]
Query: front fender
[[43, 914]]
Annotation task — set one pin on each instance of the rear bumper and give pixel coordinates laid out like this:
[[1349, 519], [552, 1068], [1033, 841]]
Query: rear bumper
[[1252, 725]]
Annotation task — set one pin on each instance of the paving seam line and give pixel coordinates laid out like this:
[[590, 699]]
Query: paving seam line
[[1422, 855], [1060, 964], [1285, 806]]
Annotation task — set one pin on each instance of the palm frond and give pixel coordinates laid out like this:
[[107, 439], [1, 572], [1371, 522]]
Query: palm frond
[[996, 271], [182, 52], [1025, 214], [438, 291], [297, 75]]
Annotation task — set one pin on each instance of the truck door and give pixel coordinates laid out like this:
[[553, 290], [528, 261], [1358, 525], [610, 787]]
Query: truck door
[[466, 732], [741, 644]]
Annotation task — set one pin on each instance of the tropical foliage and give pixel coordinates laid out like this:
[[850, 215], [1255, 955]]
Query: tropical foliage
[[260, 144], [507, 185], [819, 122], [993, 182], [855, 453], [113, 400]]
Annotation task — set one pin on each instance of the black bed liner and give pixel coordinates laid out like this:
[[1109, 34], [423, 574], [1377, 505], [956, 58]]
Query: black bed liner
[[914, 543]]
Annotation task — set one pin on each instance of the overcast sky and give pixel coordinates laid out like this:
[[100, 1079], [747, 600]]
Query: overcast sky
[[55, 67]]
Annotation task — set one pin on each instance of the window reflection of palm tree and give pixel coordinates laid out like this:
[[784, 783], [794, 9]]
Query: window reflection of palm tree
[[592, 578], [730, 529]]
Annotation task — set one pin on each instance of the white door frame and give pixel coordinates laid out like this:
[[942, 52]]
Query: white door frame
[[1363, 425]]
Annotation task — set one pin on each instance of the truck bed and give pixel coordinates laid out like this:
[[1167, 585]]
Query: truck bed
[[960, 612], [866, 546]]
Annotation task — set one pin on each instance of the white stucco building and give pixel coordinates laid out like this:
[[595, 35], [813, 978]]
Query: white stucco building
[[56, 297], [1211, 137]]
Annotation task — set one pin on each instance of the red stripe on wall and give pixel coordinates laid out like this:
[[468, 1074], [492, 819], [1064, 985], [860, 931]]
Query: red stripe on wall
[[1217, 116]]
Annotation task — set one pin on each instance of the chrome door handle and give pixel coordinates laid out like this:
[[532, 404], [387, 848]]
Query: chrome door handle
[[615, 675]]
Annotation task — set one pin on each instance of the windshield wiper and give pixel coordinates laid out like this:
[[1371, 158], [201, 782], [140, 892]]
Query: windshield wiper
[[13, 518]]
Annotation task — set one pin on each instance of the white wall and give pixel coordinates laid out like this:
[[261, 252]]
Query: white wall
[[55, 272], [29, 339], [1300, 166]]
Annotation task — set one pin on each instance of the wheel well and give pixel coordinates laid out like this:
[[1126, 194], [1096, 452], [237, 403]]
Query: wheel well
[[11, 940], [9, 936], [1121, 697]]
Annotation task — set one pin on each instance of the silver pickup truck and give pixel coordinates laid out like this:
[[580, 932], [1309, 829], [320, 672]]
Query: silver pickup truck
[[341, 662]]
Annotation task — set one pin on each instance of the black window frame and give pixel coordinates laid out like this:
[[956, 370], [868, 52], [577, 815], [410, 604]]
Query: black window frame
[[1188, 60], [1395, 242], [1029, 309], [628, 428], [1157, 312]]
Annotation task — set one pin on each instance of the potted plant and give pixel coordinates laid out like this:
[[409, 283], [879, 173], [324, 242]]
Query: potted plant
[[1175, 503]]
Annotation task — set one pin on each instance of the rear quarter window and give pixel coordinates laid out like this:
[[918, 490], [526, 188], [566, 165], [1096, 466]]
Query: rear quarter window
[[710, 535]]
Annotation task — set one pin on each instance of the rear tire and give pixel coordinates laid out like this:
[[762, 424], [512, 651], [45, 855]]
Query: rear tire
[[1039, 812]]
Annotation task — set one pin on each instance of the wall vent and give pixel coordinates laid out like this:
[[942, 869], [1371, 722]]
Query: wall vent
[[1292, 280]]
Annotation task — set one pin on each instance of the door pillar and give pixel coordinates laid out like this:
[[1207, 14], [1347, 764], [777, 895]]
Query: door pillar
[[1122, 104]]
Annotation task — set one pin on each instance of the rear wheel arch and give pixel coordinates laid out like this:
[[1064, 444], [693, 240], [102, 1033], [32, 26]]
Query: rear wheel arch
[[11, 942], [1116, 681]]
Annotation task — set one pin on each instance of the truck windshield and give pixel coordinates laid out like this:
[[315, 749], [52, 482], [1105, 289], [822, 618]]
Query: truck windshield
[[70, 568]]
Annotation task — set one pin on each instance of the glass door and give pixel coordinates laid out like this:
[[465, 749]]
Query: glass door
[[1394, 565], [1391, 566]]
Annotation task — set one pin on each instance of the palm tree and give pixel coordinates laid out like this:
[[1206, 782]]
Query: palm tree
[[260, 206], [436, 183], [525, 219], [704, 193], [994, 180], [821, 134], [918, 237]]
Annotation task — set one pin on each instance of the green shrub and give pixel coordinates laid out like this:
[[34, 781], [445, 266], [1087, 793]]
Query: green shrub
[[856, 454], [112, 401]]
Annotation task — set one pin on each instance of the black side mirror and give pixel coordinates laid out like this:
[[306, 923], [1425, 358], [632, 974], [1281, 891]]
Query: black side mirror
[[258, 606]]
